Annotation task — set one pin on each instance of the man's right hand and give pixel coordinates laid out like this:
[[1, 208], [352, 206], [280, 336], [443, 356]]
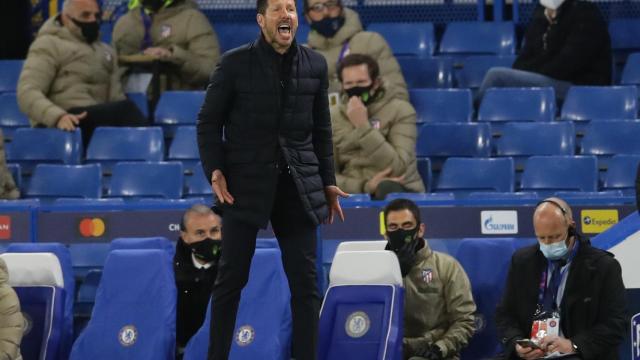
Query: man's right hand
[[219, 186], [69, 122], [529, 353], [371, 185]]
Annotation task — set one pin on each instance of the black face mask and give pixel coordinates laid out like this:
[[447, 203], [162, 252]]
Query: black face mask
[[363, 92], [405, 244], [153, 5], [328, 26], [207, 250], [90, 30]]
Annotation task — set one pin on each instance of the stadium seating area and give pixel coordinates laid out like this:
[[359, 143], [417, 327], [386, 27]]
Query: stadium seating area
[[519, 144]]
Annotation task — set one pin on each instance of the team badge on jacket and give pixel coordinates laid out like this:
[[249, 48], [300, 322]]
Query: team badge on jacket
[[427, 275], [165, 31]]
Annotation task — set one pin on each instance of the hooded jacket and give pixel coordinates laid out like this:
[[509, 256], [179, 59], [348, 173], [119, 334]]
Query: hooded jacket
[[63, 71], [8, 188], [180, 27], [354, 40], [388, 140], [11, 320], [438, 305]]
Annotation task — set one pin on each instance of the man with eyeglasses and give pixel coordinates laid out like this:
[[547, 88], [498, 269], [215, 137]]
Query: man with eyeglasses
[[336, 31], [567, 43], [438, 303], [70, 78]]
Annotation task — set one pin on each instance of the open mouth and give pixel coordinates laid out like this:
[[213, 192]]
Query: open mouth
[[284, 29]]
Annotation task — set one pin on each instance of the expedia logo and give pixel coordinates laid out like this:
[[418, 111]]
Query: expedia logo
[[91, 227], [597, 221]]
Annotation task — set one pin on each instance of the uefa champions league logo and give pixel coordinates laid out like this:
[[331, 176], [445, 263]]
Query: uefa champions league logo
[[357, 324]]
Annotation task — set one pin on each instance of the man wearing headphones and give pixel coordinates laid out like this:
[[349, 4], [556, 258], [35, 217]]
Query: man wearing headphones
[[562, 295]]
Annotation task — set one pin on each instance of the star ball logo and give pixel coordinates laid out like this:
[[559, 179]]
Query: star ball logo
[[92, 227]]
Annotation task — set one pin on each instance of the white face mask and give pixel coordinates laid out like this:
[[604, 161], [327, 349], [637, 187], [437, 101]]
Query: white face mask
[[551, 4]]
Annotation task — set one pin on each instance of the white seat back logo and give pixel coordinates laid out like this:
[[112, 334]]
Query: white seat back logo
[[128, 335], [245, 335], [357, 324]]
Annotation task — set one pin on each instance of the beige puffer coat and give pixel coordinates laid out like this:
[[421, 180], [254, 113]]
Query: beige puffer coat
[[63, 71], [184, 30], [11, 319], [359, 42], [389, 140]]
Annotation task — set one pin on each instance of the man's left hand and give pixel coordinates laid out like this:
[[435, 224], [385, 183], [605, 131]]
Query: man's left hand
[[158, 52], [556, 343], [331, 193]]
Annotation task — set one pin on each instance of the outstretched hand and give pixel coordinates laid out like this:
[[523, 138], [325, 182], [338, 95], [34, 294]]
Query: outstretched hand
[[219, 186], [332, 193]]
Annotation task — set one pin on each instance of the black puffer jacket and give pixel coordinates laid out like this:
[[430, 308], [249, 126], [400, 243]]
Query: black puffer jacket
[[578, 47], [266, 116]]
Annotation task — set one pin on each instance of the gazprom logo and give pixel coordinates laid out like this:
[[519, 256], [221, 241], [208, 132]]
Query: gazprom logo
[[499, 222]]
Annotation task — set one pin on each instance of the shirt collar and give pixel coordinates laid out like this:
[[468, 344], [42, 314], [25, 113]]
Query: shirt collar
[[198, 265]]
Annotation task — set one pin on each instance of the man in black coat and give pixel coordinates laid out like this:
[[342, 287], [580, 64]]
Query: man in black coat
[[566, 43], [588, 293], [264, 133], [195, 266]]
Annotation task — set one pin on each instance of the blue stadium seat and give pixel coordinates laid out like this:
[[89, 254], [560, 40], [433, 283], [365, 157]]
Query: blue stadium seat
[[521, 140], [234, 34], [356, 198], [362, 312], [465, 175], [140, 99], [422, 197], [631, 72], [600, 103], [442, 105], [263, 323], [16, 172], [302, 34], [621, 173], [33, 146], [182, 203], [178, 108], [474, 67], [548, 174], [184, 148], [445, 140], [64, 257], [486, 262], [106, 29], [435, 72], [159, 243], [503, 196], [407, 39], [588, 195], [472, 37], [135, 309], [11, 117], [88, 256], [109, 145], [424, 169], [623, 34], [79, 202], [58, 181], [608, 138], [197, 184], [517, 104], [9, 74], [87, 293], [138, 180]]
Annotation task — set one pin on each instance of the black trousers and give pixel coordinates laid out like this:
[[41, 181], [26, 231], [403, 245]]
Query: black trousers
[[296, 235], [117, 113]]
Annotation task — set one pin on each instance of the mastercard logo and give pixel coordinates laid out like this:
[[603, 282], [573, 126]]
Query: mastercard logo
[[92, 227]]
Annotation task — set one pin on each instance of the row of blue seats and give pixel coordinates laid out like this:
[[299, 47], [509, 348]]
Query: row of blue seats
[[544, 175]]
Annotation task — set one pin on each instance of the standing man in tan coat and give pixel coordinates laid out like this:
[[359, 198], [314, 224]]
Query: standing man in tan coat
[[11, 320], [438, 304], [172, 30], [70, 79], [337, 32], [374, 133]]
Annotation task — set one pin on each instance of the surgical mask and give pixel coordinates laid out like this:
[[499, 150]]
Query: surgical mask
[[555, 251], [328, 26], [551, 4], [363, 92], [90, 30], [206, 250], [404, 243]]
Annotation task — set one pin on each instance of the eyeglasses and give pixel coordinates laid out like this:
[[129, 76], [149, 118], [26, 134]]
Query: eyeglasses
[[320, 7]]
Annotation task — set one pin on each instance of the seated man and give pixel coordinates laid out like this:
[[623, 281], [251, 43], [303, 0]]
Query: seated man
[[70, 79], [173, 30], [563, 283], [195, 267], [11, 320], [438, 305], [337, 32], [567, 43], [374, 134]]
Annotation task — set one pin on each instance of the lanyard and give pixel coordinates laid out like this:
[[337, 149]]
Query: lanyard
[[543, 287], [146, 22], [344, 51]]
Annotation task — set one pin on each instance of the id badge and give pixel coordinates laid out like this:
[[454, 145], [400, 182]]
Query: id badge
[[545, 325], [334, 98]]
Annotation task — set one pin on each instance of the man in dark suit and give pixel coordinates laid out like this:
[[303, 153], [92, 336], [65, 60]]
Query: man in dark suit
[[274, 162], [563, 274], [195, 266]]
